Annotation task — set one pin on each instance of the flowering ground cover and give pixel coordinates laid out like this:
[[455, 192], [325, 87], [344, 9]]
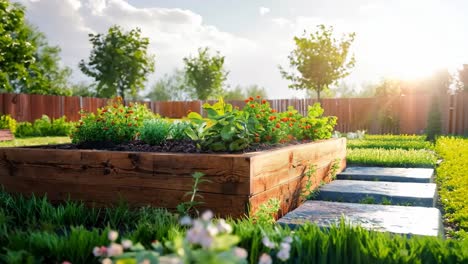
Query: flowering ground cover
[[452, 179]]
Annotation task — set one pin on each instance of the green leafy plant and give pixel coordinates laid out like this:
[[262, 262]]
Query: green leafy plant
[[266, 213], [186, 208], [7, 122], [226, 129], [178, 130], [308, 191], [154, 131], [114, 123], [26, 129], [334, 167]]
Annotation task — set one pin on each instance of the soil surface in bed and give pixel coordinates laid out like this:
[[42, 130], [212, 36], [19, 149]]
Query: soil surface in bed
[[180, 146]]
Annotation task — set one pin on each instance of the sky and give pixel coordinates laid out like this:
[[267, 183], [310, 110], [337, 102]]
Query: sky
[[394, 38]]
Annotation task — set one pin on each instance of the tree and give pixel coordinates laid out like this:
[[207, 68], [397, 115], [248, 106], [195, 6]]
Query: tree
[[319, 60], [434, 121], [463, 76], [83, 89], [16, 52], [240, 93], [44, 75], [119, 62], [255, 90], [205, 74], [235, 94], [170, 88], [388, 87]]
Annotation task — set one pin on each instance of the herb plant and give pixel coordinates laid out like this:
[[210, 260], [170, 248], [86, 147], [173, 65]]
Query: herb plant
[[154, 131]]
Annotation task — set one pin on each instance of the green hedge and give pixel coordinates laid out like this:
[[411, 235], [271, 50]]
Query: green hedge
[[391, 157], [34, 231], [452, 178], [44, 127], [390, 144]]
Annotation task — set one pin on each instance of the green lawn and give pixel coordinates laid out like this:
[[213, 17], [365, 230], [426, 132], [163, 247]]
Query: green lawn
[[35, 141]]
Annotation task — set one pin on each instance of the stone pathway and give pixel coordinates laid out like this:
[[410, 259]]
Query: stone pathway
[[356, 187]]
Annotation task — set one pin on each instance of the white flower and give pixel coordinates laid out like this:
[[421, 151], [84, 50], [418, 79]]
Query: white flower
[[224, 227], [207, 215], [288, 239], [186, 220], [115, 250], [240, 252], [265, 259], [267, 242], [97, 251], [283, 254], [126, 243], [106, 261], [285, 246], [206, 240], [212, 230], [113, 235]]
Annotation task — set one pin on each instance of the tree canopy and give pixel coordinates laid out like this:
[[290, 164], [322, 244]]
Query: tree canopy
[[205, 74], [16, 51], [240, 93], [119, 62], [170, 88], [319, 60]]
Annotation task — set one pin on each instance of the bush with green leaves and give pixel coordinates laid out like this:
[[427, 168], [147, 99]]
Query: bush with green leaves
[[44, 127], [115, 123], [154, 131], [7, 122]]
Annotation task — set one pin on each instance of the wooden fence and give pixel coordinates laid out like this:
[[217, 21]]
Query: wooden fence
[[402, 114]]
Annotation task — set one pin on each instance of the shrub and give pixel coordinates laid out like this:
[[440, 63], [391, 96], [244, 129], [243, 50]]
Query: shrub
[[44, 127], [7, 122], [452, 178], [434, 121], [114, 123], [390, 144], [391, 157], [26, 129], [154, 131]]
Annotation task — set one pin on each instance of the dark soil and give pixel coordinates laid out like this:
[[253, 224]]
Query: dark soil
[[179, 146]]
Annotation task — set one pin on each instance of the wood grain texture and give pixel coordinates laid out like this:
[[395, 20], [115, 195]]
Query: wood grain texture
[[5, 134], [163, 179]]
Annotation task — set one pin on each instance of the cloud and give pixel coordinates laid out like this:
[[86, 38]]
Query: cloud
[[264, 10], [173, 32]]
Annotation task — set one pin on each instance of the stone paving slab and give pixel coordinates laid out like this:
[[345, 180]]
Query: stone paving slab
[[386, 218], [398, 193], [387, 174]]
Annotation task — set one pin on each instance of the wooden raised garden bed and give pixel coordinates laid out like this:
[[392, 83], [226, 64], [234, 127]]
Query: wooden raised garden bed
[[5, 134], [162, 179]]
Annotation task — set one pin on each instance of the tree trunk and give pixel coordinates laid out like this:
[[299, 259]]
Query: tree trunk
[[318, 95]]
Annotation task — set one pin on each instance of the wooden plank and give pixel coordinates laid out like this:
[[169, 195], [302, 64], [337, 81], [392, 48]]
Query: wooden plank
[[5, 134], [162, 179]]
